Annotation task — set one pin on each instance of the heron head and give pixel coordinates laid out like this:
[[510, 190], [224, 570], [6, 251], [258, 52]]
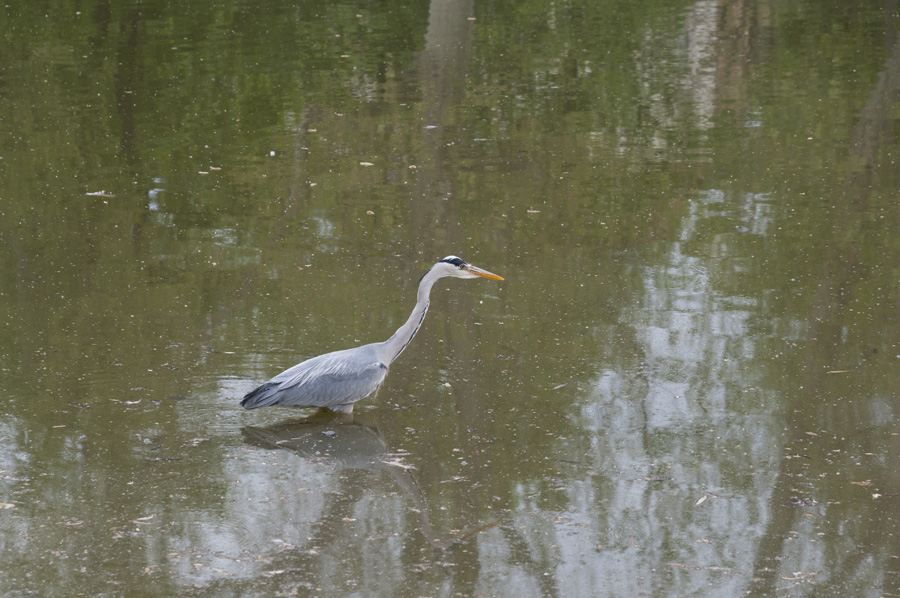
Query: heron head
[[460, 268]]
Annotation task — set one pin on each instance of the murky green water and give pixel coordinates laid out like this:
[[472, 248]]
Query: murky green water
[[687, 385]]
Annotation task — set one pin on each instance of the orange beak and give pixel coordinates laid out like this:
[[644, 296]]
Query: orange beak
[[482, 273]]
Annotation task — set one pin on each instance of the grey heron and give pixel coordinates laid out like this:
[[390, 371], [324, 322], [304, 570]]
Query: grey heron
[[337, 380]]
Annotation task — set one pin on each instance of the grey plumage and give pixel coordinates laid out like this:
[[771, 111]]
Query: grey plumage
[[339, 379]]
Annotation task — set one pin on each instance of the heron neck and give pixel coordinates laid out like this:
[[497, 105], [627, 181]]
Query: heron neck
[[395, 345]]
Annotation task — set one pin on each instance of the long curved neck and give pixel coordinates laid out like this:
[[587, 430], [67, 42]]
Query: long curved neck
[[393, 347]]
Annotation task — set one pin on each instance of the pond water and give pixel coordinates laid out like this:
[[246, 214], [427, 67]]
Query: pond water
[[686, 385]]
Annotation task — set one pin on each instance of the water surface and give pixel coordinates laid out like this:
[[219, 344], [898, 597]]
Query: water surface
[[686, 385]]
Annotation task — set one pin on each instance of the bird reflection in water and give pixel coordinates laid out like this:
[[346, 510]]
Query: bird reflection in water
[[346, 441]]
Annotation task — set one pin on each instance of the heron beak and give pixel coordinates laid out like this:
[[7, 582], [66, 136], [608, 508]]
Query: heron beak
[[482, 273]]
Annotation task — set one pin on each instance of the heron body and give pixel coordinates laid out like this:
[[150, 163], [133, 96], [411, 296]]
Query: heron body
[[337, 380]]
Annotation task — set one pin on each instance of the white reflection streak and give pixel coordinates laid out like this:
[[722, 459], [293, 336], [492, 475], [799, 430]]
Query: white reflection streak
[[682, 416], [16, 530], [701, 55]]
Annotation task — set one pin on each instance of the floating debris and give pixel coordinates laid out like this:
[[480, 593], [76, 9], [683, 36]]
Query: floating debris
[[455, 478], [397, 462], [804, 501]]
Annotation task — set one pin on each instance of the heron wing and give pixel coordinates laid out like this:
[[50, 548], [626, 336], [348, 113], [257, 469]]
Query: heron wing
[[337, 378]]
